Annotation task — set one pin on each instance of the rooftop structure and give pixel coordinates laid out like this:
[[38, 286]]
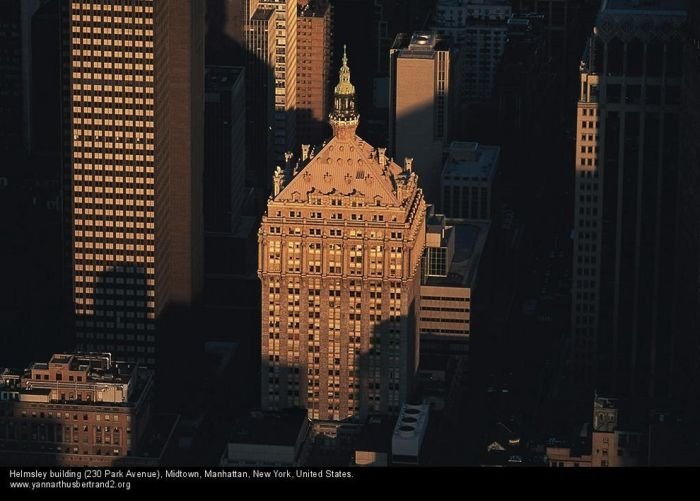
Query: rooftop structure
[[409, 432], [644, 7], [467, 180], [85, 409], [81, 378], [267, 439], [470, 240], [471, 160]]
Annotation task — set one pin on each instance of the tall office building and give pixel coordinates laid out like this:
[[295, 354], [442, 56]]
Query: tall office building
[[466, 184], [559, 15], [686, 346], [11, 120], [225, 32], [136, 81], [45, 89], [271, 43], [224, 148], [419, 81], [478, 30], [260, 85], [313, 70], [627, 160], [339, 261]]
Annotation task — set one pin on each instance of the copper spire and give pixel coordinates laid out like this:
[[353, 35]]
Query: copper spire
[[344, 118]]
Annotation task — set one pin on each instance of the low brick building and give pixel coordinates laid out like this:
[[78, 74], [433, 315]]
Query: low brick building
[[75, 410]]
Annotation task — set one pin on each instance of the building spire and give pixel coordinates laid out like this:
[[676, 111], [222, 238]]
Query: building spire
[[344, 118]]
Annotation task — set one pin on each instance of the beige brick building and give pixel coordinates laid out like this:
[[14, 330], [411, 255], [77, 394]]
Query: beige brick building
[[75, 410], [313, 70], [339, 260], [419, 81], [134, 120]]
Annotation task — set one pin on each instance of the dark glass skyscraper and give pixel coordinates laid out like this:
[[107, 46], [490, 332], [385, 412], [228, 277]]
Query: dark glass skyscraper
[[627, 161]]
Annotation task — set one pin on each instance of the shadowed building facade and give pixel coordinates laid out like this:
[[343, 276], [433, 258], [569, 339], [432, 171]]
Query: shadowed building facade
[[419, 86], [10, 77], [339, 261], [478, 29], [686, 345], [271, 45], [627, 161], [135, 71]]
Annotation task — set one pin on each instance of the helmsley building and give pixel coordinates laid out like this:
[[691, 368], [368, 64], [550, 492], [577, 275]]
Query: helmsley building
[[339, 259]]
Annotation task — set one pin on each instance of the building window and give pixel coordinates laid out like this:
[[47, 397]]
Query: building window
[[436, 262]]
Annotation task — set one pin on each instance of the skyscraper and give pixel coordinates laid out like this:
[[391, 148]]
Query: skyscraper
[[686, 345], [313, 70], [558, 17], [225, 32], [260, 82], [134, 166], [274, 52], [11, 122], [419, 80], [339, 261], [627, 159], [224, 152], [478, 29]]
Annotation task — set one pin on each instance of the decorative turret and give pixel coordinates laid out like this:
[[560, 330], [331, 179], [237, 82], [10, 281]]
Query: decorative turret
[[277, 181], [344, 118]]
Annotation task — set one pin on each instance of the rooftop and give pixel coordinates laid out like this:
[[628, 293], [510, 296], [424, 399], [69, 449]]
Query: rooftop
[[221, 77], [376, 435], [642, 7], [269, 428], [312, 8], [421, 44], [460, 3], [60, 359], [470, 240], [349, 167], [469, 160], [261, 14], [95, 370]]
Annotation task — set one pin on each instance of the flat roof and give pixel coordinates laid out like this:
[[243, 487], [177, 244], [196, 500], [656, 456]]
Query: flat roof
[[419, 45], [642, 7], [376, 435], [98, 368], [470, 240], [313, 8], [269, 428], [466, 3], [467, 160], [60, 359], [261, 14], [221, 77]]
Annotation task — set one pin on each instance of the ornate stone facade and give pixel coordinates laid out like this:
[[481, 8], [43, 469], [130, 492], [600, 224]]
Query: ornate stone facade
[[339, 260]]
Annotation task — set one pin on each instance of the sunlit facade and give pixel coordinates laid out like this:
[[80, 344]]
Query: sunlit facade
[[136, 96], [271, 39], [419, 107], [339, 260], [313, 70]]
